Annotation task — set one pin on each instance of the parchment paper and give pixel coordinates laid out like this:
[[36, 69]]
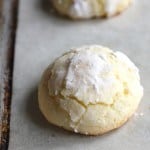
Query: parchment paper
[[41, 37]]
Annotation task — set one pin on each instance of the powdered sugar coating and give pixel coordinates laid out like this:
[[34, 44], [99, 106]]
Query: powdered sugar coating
[[81, 9], [88, 75], [89, 72]]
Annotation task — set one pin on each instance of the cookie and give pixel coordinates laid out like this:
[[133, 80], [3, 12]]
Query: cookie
[[90, 90], [84, 9]]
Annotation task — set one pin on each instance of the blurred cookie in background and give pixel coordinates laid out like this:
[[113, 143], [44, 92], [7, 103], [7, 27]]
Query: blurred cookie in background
[[85, 9]]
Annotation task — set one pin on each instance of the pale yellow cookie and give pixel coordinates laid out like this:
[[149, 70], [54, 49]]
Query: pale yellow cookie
[[83, 9], [90, 90]]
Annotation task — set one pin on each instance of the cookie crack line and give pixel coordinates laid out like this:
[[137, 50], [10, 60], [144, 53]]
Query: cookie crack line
[[90, 104], [76, 123], [81, 103]]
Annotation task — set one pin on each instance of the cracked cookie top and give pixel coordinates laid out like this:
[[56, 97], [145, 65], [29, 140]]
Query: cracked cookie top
[[89, 74], [90, 90]]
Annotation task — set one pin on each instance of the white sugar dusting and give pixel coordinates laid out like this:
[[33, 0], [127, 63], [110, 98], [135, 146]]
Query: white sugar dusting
[[81, 8], [87, 75], [138, 114], [88, 71], [126, 61]]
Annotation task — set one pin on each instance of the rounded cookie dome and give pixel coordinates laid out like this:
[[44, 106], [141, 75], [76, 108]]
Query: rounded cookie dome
[[90, 90], [81, 9]]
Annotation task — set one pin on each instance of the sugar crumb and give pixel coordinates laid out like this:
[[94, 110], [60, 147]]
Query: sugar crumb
[[138, 114]]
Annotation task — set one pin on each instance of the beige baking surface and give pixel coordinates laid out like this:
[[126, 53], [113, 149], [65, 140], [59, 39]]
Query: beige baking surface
[[41, 37]]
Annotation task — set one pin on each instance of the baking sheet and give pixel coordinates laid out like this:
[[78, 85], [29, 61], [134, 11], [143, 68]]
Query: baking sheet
[[1, 25], [41, 37]]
